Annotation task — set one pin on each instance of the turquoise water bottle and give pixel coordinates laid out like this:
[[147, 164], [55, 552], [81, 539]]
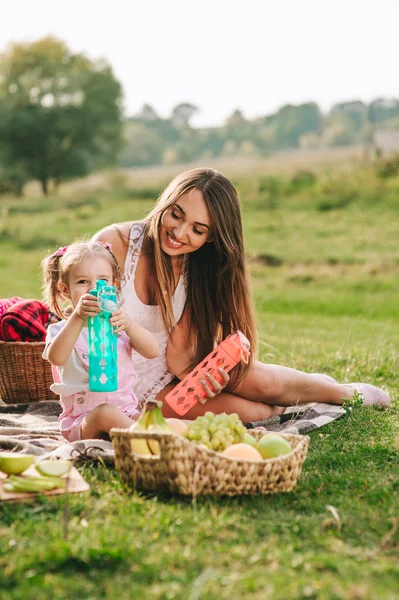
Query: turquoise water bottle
[[102, 351]]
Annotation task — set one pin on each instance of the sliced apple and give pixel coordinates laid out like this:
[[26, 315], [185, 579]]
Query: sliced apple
[[13, 463], [53, 468]]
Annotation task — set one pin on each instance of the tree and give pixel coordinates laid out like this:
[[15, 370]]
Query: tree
[[143, 146], [182, 114], [293, 121], [147, 113], [60, 113]]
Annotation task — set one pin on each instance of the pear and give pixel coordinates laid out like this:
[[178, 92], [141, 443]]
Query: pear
[[13, 463]]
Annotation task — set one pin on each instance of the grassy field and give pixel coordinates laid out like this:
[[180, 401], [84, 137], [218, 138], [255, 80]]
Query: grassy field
[[324, 261]]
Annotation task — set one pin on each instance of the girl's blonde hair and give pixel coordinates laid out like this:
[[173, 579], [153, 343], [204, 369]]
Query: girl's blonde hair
[[57, 266], [218, 291]]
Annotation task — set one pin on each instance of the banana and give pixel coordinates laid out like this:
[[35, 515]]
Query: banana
[[156, 423], [140, 446], [151, 419]]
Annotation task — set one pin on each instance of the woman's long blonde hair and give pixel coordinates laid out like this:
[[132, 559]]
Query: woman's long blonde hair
[[218, 291]]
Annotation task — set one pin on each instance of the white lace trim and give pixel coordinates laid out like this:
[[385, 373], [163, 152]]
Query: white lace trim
[[153, 374]]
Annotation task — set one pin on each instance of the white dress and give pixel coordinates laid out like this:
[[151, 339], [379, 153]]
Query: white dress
[[153, 374]]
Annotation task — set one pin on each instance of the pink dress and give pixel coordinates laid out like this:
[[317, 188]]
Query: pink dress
[[71, 383]]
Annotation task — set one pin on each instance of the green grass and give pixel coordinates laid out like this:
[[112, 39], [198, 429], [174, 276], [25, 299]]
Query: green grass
[[331, 306]]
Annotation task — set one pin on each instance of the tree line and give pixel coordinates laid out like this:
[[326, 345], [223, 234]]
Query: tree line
[[61, 116], [149, 139]]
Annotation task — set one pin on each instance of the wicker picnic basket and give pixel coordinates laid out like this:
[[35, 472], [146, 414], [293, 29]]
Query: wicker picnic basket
[[24, 375], [188, 469]]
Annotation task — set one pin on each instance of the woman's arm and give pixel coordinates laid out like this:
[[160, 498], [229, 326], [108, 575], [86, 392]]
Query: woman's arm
[[179, 357], [117, 241], [178, 351], [141, 339]]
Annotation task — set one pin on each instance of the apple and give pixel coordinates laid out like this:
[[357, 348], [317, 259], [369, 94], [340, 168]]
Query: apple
[[273, 445], [13, 463], [249, 439], [53, 468]]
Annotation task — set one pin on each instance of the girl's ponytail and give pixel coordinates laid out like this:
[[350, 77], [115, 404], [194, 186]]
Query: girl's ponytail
[[51, 277]]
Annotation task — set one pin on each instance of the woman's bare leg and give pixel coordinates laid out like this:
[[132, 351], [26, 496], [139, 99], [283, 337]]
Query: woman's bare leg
[[247, 410], [283, 386], [267, 389]]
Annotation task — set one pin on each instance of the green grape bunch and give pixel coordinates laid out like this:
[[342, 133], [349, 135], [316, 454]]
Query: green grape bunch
[[216, 432]]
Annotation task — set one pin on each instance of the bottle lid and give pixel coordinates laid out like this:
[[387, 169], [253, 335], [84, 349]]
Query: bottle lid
[[108, 289], [108, 298], [241, 344]]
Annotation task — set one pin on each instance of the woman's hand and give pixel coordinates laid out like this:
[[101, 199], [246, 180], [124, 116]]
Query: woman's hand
[[212, 387], [87, 307], [120, 320]]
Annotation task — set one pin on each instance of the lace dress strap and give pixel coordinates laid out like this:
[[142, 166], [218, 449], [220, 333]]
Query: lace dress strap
[[136, 237]]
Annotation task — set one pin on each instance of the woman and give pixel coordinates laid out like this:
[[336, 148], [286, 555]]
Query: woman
[[185, 279]]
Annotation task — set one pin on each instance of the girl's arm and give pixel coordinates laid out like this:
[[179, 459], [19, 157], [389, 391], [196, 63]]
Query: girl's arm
[[60, 349], [141, 339], [62, 345]]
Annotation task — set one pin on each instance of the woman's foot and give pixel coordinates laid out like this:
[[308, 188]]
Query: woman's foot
[[371, 395]]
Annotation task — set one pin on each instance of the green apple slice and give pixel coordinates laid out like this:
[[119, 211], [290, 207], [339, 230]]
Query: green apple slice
[[13, 463], [53, 468], [33, 484]]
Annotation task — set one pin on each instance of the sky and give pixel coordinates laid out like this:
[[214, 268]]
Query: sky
[[222, 55]]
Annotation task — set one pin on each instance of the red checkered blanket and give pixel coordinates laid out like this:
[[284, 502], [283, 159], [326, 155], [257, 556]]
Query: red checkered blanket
[[25, 321]]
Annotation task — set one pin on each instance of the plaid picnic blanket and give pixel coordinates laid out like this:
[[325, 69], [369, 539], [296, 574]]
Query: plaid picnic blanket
[[301, 419], [33, 429]]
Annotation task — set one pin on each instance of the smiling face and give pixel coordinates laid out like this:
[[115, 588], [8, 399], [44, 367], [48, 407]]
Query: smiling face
[[185, 225], [82, 277]]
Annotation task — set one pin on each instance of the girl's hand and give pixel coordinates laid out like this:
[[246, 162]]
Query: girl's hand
[[212, 387], [87, 307], [120, 320]]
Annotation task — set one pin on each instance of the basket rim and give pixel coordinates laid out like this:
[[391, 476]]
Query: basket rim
[[303, 439], [6, 343]]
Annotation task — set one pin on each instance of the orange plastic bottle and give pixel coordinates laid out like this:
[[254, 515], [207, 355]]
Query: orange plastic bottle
[[226, 355]]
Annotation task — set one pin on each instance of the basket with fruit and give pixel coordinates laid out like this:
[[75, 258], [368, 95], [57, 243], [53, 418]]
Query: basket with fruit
[[213, 455]]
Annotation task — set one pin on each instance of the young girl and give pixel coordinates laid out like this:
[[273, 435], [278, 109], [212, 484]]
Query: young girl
[[69, 274]]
